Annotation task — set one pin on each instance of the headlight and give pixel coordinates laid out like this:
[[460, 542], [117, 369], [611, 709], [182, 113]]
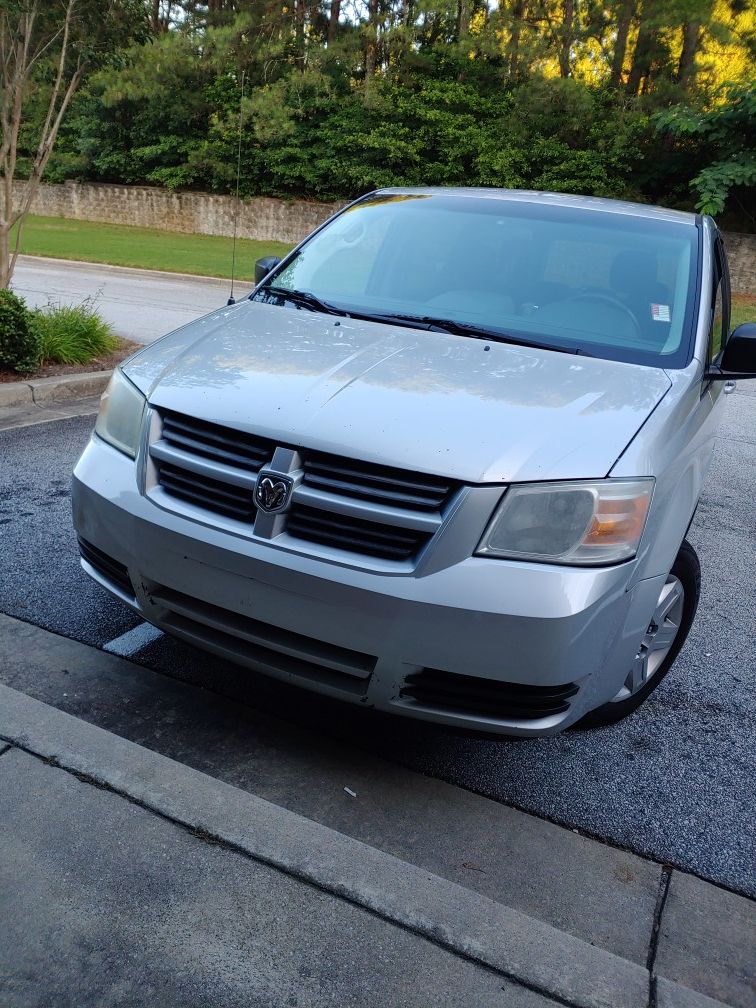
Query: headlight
[[120, 418], [576, 523]]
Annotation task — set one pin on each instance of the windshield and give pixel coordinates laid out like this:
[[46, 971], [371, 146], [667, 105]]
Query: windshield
[[607, 284]]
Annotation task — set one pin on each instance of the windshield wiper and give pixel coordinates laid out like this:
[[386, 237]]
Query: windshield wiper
[[478, 332], [304, 298], [427, 322]]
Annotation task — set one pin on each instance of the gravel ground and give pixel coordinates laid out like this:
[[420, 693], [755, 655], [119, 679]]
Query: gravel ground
[[673, 782]]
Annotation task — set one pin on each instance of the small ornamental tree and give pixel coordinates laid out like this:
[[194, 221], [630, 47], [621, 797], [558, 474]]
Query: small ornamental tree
[[46, 49]]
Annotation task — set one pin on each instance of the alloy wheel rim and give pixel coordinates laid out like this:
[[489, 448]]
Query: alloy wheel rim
[[658, 640]]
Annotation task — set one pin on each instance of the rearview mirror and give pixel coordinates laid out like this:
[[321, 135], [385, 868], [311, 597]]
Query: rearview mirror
[[264, 266], [739, 357]]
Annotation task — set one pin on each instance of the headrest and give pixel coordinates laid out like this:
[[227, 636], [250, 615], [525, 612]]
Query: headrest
[[633, 270]]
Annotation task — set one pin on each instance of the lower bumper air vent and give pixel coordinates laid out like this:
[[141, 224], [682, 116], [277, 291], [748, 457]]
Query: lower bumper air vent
[[474, 696], [108, 568]]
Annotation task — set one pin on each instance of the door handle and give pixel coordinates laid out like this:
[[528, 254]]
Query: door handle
[[729, 387]]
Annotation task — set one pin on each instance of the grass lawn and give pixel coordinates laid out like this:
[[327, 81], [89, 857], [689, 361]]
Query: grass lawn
[[743, 310], [121, 245]]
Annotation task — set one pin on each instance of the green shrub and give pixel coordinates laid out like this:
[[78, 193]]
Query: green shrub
[[72, 335], [19, 342]]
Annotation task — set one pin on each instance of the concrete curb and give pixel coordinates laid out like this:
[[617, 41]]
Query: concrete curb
[[59, 388], [533, 953], [15, 394]]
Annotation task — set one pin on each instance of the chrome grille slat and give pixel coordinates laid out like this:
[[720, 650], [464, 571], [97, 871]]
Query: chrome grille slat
[[354, 490], [355, 534], [333, 504], [223, 444], [211, 494], [382, 484], [220, 471]]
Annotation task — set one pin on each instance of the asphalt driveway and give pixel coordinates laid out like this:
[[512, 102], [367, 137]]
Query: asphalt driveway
[[141, 305]]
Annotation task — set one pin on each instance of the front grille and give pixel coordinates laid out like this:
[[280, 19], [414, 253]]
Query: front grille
[[108, 568], [362, 508], [212, 494], [346, 532], [488, 698], [375, 483], [262, 645], [213, 441]]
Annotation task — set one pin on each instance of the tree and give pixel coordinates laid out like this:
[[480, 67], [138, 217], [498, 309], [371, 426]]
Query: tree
[[721, 143], [46, 49]]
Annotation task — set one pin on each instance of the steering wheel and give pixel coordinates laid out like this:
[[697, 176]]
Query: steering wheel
[[613, 302]]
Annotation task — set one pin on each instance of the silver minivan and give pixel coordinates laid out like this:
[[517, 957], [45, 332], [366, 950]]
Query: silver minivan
[[441, 462]]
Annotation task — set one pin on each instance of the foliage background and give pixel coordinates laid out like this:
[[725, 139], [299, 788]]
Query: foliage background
[[644, 99]]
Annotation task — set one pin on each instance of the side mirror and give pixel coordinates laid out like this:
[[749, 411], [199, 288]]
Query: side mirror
[[264, 266], [739, 357]]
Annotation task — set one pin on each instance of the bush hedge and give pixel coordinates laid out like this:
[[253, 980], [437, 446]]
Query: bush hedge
[[20, 348], [56, 334]]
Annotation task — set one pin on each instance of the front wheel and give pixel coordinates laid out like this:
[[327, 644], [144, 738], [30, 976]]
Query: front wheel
[[666, 634]]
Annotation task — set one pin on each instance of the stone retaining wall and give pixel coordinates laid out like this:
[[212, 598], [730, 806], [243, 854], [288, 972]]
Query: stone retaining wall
[[188, 213], [741, 255], [259, 217]]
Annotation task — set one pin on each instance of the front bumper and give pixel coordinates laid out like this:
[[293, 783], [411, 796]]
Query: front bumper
[[362, 635]]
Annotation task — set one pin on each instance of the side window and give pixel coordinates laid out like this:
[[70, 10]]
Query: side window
[[720, 319]]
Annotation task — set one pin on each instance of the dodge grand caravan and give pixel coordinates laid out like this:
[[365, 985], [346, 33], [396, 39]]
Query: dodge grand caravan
[[441, 462]]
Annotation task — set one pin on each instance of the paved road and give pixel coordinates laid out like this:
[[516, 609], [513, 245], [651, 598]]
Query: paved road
[[140, 305], [674, 782]]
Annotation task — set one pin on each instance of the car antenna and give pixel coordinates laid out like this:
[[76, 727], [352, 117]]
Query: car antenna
[[231, 298]]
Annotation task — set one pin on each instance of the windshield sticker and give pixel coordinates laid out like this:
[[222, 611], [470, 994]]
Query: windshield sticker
[[660, 313]]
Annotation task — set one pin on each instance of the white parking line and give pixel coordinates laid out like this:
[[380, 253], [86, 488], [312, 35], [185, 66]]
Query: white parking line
[[133, 640]]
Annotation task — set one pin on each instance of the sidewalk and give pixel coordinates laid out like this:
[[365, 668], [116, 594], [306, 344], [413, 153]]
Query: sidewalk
[[129, 878]]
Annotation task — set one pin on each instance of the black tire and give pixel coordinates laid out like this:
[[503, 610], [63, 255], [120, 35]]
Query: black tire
[[687, 569]]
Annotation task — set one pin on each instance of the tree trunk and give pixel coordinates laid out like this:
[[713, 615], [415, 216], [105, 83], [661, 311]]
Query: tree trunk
[[5, 272], [464, 13], [566, 36], [624, 19], [300, 13], [333, 20], [686, 69], [371, 45], [640, 69], [513, 45]]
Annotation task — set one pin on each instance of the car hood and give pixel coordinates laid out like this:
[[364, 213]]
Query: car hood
[[431, 402]]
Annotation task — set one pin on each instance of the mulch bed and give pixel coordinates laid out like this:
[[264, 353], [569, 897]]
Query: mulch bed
[[105, 363]]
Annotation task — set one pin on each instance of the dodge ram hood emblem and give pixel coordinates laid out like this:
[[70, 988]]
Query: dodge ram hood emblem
[[273, 491]]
